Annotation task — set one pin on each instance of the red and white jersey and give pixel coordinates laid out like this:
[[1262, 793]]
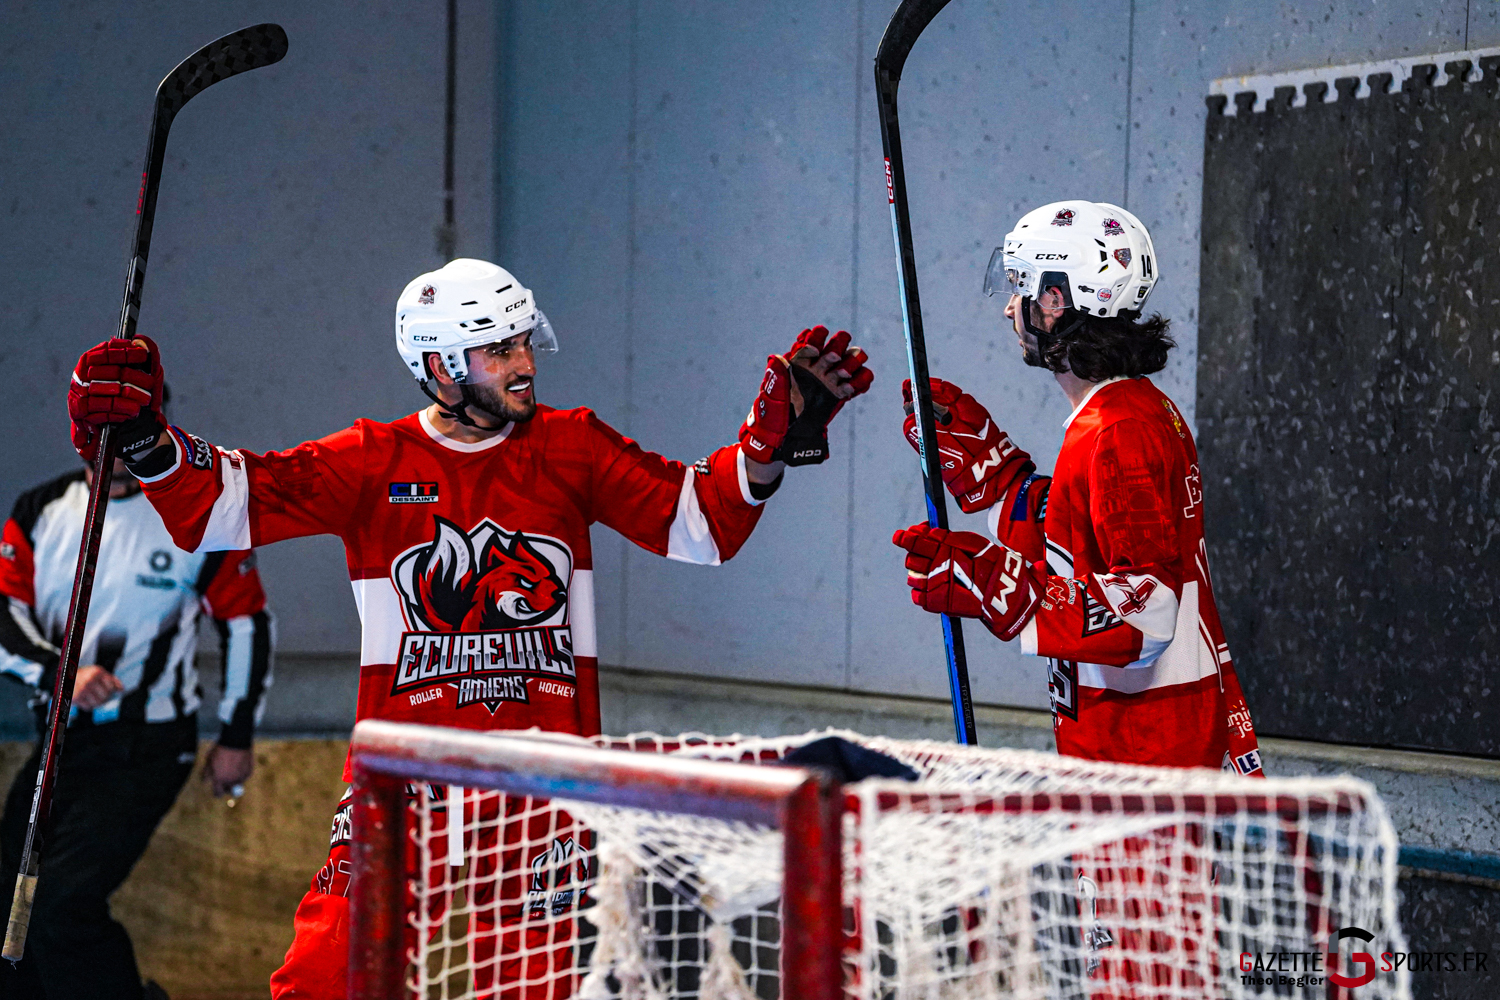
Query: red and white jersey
[[470, 563], [1140, 670]]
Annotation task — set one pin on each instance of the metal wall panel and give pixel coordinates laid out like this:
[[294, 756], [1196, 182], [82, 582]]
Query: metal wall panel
[[1347, 363]]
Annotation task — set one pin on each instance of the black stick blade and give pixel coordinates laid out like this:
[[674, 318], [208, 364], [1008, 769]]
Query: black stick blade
[[902, 31], [237, 52]]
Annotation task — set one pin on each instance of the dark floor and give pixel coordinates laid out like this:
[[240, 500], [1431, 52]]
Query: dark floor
[[1441, 916]]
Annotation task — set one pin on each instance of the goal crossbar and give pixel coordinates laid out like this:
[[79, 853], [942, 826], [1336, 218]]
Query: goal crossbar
[[804, 804], [1106, 803]]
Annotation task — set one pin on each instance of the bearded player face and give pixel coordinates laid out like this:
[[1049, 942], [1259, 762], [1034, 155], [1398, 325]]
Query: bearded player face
[[502, 376], [1044, 315], [500, 380]]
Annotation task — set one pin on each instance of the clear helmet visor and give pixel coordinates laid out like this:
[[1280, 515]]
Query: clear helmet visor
[[503, 361], [1007, 275], [543, 340]]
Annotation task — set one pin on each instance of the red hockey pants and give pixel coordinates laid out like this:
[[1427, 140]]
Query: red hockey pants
[[527, 869]]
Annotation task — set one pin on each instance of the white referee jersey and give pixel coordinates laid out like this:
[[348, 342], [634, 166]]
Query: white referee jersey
[[143, 617]]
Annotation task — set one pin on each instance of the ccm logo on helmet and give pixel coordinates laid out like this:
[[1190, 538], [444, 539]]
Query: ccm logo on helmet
[[515, 305], [424, 338], [1051, 256]]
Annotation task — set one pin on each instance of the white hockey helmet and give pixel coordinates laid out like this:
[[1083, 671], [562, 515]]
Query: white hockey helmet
[[465, 304], [1097, 255]]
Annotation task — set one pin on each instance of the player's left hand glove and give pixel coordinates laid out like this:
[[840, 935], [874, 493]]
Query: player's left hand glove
[[801, 392], [967, 575]]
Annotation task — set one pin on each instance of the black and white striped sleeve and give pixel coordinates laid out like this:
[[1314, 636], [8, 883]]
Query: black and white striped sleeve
[[232, 593], [24, 653], [246, 642]]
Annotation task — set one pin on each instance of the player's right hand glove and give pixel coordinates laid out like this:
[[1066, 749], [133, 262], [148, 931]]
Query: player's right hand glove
[[118, 382], [801, 392], [978, 459], [967, 575]]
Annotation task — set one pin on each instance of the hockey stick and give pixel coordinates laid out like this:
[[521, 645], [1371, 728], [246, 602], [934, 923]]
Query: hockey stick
[[235, 53], [900, 35]]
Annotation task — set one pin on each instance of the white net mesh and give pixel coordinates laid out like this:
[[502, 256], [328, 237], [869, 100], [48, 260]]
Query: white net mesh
[[997, 873]]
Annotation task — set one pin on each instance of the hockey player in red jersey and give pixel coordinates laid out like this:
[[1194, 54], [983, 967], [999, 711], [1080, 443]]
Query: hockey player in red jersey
[[466, 527], [1102, 567]]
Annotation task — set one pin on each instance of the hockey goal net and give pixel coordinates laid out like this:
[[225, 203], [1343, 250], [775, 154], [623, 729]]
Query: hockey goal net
[[659, 867]]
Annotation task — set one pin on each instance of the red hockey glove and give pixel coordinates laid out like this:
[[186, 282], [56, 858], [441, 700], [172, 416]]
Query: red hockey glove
[[979, 461], [118, 382], [801, 392], [967, 575]]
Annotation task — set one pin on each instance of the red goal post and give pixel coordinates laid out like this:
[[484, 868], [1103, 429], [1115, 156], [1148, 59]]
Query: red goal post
[[804, 804]]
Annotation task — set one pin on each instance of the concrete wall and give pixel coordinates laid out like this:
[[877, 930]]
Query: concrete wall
[[690, 185], [685, 186], [295, 203]]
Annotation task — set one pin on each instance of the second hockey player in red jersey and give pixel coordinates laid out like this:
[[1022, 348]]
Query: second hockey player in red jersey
[[466, 527], [1102, 567]]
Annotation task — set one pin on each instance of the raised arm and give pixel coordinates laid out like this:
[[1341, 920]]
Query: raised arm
[[211, 499], [214, 499], [704, 514], [695, 514]]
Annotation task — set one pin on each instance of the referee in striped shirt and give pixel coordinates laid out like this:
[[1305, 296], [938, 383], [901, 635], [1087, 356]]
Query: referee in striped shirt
[[133, 732]]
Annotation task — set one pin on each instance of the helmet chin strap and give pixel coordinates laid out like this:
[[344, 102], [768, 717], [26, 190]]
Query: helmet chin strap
[[460, 411], [1044, 338]]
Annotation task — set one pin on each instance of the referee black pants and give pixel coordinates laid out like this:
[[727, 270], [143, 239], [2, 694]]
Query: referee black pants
[[116, 783]]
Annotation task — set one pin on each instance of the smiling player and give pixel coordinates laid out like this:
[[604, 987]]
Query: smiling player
[[467, 532]]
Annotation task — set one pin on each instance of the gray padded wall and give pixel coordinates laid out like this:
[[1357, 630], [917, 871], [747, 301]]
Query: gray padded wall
[[687, 185]]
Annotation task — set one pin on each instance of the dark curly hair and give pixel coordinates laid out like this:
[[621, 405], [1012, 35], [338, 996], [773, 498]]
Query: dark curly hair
[[1101, 347]]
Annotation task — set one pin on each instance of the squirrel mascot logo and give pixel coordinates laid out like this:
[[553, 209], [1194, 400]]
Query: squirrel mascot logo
[[483, 580], [560, 874], [487, 608]]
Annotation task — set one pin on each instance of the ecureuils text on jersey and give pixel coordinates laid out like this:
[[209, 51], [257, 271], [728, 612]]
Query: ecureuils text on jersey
[[487, 609]]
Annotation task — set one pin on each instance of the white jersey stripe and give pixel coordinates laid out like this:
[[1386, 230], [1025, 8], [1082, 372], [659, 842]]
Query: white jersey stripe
[[581, 613], [229, 521], [689, 540], [1182, 660], [743, 475], [382, 616]]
